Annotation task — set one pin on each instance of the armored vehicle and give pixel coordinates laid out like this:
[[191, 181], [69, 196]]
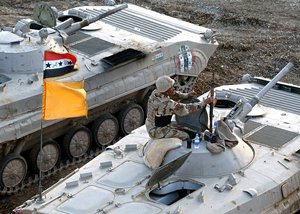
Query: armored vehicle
[[261, 174], [121, 50]]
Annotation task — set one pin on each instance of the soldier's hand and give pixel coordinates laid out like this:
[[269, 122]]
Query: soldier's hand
[[215, 101], [210, 100], [192, 94]]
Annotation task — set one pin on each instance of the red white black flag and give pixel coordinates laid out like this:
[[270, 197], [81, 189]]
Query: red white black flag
[[57, 64]]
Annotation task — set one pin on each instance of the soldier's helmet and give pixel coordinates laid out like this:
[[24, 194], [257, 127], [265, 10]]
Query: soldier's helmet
[[163, 83]]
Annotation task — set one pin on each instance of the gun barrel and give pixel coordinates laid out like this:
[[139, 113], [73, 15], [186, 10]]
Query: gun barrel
[[77, 26], [261, 93], [241, 110], [109, 12], [65, 24]]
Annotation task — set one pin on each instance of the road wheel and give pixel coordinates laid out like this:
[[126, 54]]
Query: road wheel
[[131, 117], [47, 159], [77, 142], [105, 129], [13, 170]]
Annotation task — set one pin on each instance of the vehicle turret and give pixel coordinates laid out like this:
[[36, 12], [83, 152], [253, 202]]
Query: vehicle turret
[[208, 165]]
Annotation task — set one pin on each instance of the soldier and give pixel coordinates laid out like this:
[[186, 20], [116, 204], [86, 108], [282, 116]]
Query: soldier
[[162, 106]]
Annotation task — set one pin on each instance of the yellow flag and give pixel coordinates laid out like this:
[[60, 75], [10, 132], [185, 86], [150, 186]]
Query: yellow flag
[[63, 100]]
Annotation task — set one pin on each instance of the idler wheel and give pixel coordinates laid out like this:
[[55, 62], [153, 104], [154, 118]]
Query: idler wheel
[[184, 83]]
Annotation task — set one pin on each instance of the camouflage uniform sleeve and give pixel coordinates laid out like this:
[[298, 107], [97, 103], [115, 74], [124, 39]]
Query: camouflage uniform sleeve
[[179, 95], [184, 109]]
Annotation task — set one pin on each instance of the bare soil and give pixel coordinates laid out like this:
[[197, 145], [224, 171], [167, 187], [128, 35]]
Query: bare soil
[[256, 37]]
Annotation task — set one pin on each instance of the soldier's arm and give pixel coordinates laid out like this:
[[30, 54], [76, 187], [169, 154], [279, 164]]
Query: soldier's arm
[[180, 95], [184, 109]]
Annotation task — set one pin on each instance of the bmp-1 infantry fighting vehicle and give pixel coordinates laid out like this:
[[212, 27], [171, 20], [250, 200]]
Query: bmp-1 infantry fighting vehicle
[[261, 174], [121, 50]]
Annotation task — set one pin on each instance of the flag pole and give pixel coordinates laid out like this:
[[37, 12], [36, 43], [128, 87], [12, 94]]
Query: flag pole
[[40, 198]]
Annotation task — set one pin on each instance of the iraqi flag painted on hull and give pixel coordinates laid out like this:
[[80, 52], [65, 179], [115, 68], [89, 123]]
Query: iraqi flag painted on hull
[[58, 64]]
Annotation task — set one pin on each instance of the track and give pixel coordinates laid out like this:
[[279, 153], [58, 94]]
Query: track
[[33, 179]]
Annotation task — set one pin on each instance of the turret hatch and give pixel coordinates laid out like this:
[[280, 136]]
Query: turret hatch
[[7, 37], [171, 190]]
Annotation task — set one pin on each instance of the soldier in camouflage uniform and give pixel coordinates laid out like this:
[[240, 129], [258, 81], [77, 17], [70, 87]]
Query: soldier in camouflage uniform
[[161, 107]]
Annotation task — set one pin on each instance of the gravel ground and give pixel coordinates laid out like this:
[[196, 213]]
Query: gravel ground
[[258, 37]]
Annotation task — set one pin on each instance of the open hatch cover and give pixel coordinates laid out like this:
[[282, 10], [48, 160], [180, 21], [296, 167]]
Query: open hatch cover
[[167, 170]]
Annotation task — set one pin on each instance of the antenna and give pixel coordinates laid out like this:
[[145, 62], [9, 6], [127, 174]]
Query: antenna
[[211, 107]]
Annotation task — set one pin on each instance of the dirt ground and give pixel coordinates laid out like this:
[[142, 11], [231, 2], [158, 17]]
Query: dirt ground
[[256, 37]]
